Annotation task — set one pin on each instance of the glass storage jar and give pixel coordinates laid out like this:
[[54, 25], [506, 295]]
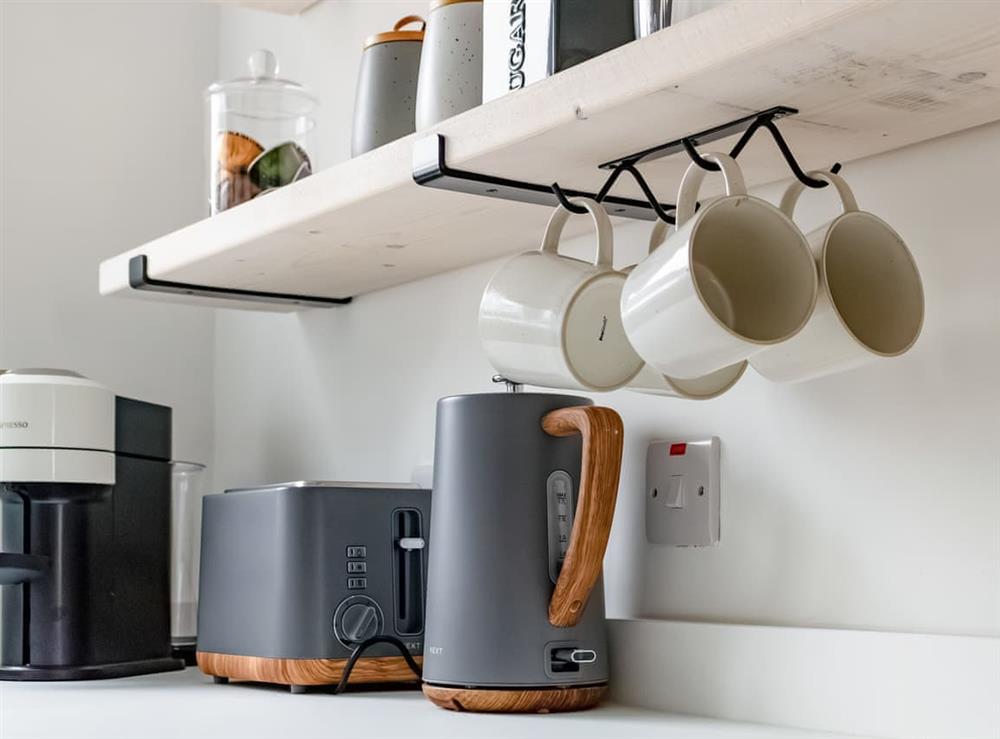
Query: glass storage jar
[[261, 133]]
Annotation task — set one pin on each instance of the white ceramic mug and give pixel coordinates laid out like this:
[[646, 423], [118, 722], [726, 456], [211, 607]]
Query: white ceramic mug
[[871, 300], [653, 382], [733, 279], [554, 321]]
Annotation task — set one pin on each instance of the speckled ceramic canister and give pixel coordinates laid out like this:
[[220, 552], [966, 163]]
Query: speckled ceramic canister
[[451, 68], [387, 86]]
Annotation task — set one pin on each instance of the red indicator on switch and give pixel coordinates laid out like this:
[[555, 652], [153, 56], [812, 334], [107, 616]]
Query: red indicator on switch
[[678, 450]]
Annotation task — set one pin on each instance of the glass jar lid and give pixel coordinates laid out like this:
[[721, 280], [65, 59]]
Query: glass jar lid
[[262, 92]]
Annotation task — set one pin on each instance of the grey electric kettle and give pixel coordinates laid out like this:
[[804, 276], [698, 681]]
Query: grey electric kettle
[[524, 493]]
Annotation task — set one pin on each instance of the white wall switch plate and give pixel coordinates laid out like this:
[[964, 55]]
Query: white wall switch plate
[[682, 493]]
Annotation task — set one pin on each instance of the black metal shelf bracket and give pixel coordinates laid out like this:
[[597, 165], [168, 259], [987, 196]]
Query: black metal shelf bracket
[[139, 279], [431, 169]]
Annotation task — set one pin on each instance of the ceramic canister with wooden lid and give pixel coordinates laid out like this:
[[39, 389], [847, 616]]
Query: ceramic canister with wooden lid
[[451, 69], [387, 86]]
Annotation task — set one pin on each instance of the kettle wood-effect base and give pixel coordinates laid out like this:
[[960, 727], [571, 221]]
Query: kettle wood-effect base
[[544, 700]]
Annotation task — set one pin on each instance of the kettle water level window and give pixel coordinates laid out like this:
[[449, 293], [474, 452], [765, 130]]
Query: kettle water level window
[[559, 491]]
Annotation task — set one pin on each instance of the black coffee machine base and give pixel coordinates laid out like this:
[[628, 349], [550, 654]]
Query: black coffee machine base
[[90, 672]]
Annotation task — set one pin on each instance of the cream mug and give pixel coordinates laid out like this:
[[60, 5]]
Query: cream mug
[[652, 382], [871, 300], [554, 321], [731, 280]]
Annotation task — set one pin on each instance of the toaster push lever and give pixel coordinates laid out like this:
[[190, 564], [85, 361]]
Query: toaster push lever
[[408, 567]]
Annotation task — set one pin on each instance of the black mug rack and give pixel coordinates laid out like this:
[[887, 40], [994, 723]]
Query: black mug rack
[[431, 169]]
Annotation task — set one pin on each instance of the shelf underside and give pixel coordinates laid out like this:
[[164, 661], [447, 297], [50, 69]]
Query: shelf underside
[[866, 77]]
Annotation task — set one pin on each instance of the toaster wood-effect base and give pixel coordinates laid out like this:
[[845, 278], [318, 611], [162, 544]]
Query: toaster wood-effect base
[[538, 700], [304, 672]]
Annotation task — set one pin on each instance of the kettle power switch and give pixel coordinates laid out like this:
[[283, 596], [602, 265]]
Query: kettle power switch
[[561, 660], [567, 657]]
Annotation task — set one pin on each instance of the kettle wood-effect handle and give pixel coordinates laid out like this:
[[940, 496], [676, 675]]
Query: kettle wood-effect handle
[[601, 429]]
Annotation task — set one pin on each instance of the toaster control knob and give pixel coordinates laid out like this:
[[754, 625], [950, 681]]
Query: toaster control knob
[[357, 619]]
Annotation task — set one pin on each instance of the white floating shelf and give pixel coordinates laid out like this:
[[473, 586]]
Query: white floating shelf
[[867, 76]]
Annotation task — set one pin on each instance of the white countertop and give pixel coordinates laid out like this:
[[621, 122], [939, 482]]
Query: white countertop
[[188, 704]]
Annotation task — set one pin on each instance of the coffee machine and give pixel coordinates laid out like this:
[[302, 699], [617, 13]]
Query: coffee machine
[[84, 530]]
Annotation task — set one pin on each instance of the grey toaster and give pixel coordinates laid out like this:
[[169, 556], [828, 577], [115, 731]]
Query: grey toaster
[[296, 578]]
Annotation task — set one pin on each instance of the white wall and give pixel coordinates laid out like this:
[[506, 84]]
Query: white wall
[[869, 500], [102, 149]]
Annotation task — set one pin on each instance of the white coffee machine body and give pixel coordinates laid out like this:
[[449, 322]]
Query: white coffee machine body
[[56, 426]]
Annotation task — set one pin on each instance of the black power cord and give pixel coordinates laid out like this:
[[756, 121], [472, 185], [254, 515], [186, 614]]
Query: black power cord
[[366, 644]]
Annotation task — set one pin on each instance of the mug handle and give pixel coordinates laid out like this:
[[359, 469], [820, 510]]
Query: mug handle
[[658, 235], [407, 20], [695, 175], [602, 224], [791, 196], [601, 429]]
